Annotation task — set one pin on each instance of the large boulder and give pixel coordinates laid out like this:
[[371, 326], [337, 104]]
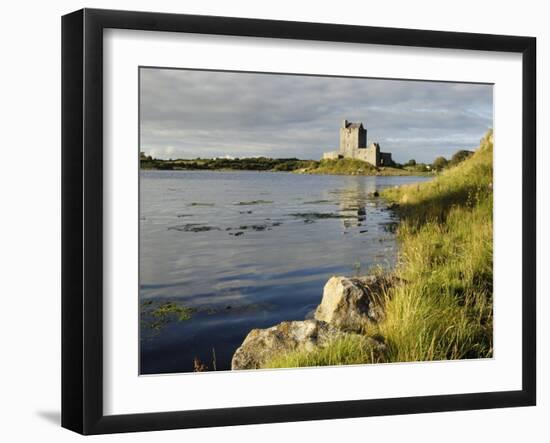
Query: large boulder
[[349, 305], [262, 344], [352, 304]]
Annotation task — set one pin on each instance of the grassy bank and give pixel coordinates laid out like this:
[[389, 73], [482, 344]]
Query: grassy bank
[[443, 307], [350, 166]]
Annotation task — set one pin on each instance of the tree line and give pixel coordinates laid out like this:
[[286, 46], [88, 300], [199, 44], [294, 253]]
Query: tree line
[[440, 162]]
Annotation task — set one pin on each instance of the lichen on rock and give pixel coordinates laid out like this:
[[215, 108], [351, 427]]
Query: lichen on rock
[[352, 304], [262, 344]]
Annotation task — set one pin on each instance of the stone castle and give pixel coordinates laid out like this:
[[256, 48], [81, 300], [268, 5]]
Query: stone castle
[[353, 144]]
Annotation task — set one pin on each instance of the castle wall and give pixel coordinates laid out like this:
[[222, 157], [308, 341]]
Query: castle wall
[[372, 154], [385, 159]]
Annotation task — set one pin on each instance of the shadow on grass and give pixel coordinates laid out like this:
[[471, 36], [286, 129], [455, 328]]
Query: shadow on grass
[[436, 207]]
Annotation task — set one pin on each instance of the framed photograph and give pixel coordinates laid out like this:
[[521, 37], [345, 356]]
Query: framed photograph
[[269, 221]]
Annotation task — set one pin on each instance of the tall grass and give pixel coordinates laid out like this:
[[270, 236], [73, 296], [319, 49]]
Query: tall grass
[[351, 166], [343, 166], [348, 349], [443, 307]]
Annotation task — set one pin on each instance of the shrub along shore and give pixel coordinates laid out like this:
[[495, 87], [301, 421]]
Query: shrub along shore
[[441, 307]]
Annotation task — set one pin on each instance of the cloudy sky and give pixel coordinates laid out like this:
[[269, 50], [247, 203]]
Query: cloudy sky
[[189, 114]]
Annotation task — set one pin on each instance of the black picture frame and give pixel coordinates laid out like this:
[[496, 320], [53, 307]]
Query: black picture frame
[[82, 219]]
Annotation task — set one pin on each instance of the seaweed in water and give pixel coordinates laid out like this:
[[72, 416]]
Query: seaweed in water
[[390, 226], [254, 202], [311, 216], [255, 227], [156, 315], [317, 202], [200, 204], [193, 227]]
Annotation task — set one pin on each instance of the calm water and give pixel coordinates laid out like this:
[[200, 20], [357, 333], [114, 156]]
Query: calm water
[[247, 250]]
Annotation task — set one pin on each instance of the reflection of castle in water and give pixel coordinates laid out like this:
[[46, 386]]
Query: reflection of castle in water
[[354, 200]]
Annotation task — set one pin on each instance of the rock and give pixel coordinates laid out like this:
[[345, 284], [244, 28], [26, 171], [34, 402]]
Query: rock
[[349, 306], [352, 304], [262, 344]]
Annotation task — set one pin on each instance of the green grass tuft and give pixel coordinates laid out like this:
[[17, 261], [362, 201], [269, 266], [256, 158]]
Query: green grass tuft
[[350, 349]]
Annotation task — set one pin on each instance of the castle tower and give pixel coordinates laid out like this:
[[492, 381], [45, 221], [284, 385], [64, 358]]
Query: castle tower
[[353, 144], [353, 136]]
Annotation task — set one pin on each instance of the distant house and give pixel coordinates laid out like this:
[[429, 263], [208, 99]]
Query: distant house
[[353, 144]]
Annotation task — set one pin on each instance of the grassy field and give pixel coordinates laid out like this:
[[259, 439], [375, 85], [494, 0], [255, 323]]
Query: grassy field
[[349, 166], [443, 307]]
